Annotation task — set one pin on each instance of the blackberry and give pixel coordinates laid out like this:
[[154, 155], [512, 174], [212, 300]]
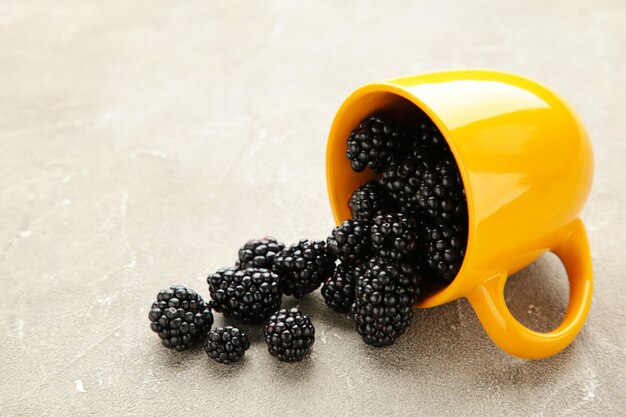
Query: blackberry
[[427, 182], [370, 200], [385, 294], [338, 290], [423, 132], [402, 179], [373, 143], [226, 344], [259, 253], [350, 242], [441, 194], [304, 266], [180, 317], [289, 335], [445, 249], [249, 295], [394, 236]]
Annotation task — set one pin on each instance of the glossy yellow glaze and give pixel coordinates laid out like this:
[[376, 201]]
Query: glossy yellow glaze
[[527, 166]]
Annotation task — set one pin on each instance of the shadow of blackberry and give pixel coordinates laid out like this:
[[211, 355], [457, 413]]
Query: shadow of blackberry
[[175, 360], [294, 371], [221, 370]]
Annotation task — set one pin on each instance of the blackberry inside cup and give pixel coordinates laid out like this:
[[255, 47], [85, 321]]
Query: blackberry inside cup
[[418, 178]]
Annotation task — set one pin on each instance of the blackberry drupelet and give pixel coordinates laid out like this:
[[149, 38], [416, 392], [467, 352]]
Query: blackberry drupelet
[[370, 200], [394, 236], [249, 295], [180, 317], [259, 253], [289, 335], [445, 248], [304, 266], [350, 242], [338, 290], [441, 194], [226, 344], [385, 294], [374, 143]]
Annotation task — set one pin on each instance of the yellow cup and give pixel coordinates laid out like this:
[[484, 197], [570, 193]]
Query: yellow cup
[[527, 166]]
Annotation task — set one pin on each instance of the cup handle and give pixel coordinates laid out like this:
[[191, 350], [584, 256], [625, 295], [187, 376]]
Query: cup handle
[[509, 334]]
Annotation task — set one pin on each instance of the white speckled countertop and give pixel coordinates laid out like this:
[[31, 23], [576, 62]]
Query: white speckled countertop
[[141, 143]]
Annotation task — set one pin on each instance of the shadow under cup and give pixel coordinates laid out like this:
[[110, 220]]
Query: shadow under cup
[[526, 165]]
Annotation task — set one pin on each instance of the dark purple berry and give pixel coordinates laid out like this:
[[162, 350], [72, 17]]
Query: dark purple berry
[[226, 344], [350, 242], [374, 143], [304, 266], [249, 295], [259, 253], [384, 299], [180, 317], [289, 335], [394, 236], [370, 200]]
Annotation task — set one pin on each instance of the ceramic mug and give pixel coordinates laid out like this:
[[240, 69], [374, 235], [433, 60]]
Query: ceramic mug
[[526, 164]]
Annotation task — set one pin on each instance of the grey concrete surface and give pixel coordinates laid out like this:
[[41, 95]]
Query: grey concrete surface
[[141, 143]]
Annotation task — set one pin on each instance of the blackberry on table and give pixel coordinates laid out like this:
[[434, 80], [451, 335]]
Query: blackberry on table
[[289, 335], [180, 317], [338, 290], [259, 253], [226, 344], [385, 294], [304, 266], [445, 249], [394, 236], [350, 242], [370, 200], [374, 143], [249, 294]]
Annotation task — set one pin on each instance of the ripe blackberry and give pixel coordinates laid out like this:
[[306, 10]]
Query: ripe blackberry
[[423, 132], [427, 182], [445, 248], [226, 344], [373, 143], [440, 193], [403, 178], [259, 253], [180, 317], [304, 266], [370, 200], [338, 290], [385, 294], [249, 295], [350, 242], [394, 236], [289, 335]]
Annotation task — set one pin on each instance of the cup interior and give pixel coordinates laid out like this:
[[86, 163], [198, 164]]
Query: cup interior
[[342, 180]]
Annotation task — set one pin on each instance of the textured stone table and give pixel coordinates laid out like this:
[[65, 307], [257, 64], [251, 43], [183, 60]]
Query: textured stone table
[[141, 143]]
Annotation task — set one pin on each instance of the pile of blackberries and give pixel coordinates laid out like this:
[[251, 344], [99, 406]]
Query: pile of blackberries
[[416, 216], [251, 292], [407, 228], [420, 187]]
